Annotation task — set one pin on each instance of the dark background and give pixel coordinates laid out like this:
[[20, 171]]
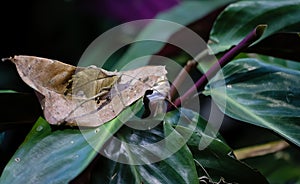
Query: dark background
[[62, 29], [53, 29]]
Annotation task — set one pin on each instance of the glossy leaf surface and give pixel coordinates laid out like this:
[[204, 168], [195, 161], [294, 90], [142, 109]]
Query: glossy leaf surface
[[216, 160], [261, 94], [180, 167], [141, 146], [58, 156], [244, 16]]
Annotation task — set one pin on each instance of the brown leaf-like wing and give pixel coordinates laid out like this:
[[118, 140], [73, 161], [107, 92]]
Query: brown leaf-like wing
[[43, 74], [87, 96]]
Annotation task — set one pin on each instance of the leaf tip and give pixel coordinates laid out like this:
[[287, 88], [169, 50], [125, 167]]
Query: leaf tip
[[260, 29]]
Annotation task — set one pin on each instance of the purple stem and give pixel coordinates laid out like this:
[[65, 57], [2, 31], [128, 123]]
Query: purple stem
[[226, 58]]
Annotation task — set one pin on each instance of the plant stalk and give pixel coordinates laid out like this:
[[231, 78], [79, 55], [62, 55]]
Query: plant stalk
[[260, 150], [226, 58], [181, 77]]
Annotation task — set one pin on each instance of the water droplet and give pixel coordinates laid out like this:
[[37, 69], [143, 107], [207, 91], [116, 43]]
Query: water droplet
[[229, 86], [282, 155], [97, 130], [251, 68], [75, 156], [17, 159], [72, 142], [39, 128], [113, 176]]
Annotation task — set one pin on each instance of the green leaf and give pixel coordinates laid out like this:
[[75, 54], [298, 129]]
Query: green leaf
[[270, 60], [261, 94], [7, 91], [282, 167], [141, 146], [239, 18], [185, 13], [59, 156], [216, 160], [277, 61]]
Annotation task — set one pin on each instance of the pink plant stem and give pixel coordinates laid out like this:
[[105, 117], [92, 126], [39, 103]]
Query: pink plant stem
[[181, 77], [226, 58]]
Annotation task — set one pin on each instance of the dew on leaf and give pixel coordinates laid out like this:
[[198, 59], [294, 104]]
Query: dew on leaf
[[229, 86], [17, 159], [39, 128]]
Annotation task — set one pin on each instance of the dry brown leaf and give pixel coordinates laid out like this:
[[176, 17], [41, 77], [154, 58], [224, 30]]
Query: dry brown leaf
[[87, 96]]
